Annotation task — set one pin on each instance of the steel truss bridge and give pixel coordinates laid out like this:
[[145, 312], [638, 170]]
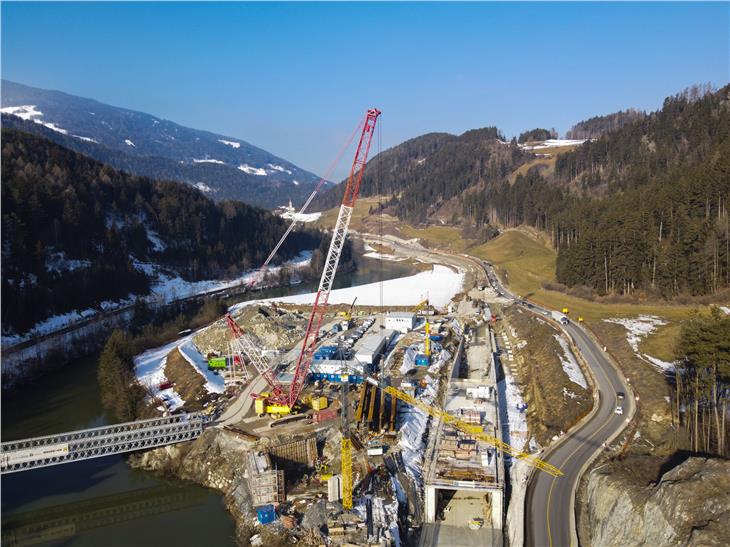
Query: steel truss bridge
[[97, 442]]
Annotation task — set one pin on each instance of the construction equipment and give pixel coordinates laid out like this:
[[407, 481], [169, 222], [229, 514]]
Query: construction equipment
[[475, 431], [348, 314], [339, 234], [421, 305], [427, 341], [243, 345], [262, 406], [346, 448]]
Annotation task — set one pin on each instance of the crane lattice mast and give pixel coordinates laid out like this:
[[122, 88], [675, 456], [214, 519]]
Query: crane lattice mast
[[339, 234]]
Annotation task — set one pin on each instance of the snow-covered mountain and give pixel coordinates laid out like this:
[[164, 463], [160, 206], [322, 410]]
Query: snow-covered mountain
[[220, 166]]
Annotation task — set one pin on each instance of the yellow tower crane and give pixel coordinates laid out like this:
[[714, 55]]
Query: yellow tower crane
[[346, 445], [427, 341], [475, 431]]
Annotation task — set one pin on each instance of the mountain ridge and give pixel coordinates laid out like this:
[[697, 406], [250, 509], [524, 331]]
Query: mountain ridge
[[221, 166]]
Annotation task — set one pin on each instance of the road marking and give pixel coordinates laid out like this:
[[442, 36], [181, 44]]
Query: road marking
[[581, 445]]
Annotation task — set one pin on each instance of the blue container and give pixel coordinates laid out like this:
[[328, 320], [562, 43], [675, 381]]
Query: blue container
[[266, 514], [436, 337], [422, 360]]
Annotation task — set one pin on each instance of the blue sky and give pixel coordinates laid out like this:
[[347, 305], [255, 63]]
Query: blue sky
[[295, 78]]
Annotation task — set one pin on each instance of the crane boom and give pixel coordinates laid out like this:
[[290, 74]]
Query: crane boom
[[470, 429], [252, 351], [339, 234]]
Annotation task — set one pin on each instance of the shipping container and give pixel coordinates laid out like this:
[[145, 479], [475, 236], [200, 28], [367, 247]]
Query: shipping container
[[217, 363], [422, 360], [266, 514], [324, 415], [319, 403]]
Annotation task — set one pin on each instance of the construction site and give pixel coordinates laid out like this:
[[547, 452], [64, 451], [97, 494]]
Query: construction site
[[356, 425]]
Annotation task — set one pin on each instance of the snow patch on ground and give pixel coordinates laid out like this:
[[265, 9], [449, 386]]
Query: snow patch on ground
[[381, 256], [154, 238], [57, 262], [87, 139], [204, 187], [279, 168], [31, 113], [206, 160], [246, 168], [165, 289], [213, 382], [232, 144], [149, 368], [639, 328], [570, 365], [552, 143], [442, 282], [300, 217], [725, 310]]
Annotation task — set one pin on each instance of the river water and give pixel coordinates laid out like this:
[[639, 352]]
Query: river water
[[103, 501]]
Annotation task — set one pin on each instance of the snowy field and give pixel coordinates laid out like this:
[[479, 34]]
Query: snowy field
[[552, 143], [639, 328], [214, 383], [570, 365], [441, 282], [149, 368], [300, 217]]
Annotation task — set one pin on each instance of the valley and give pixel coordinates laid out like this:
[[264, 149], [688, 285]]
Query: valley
[[497, 315]]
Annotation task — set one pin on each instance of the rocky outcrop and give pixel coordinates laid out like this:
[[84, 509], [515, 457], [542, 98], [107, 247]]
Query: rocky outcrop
[[689, 505], [215, 460]]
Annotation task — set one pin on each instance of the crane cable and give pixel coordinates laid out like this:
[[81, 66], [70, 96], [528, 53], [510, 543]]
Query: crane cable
[[259, 273]]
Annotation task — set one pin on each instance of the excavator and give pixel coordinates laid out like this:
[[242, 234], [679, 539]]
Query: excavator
[[347, 315]]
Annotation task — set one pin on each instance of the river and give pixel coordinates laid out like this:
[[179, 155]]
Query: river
[[103, 501]]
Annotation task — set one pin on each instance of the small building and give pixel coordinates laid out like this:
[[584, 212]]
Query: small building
[[400, 321], [372, 346]]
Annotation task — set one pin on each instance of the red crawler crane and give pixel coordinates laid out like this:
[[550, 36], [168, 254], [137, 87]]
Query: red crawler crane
[[244, 343], [339, 234]]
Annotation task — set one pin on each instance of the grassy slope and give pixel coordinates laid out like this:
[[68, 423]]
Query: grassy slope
[[528, 260]]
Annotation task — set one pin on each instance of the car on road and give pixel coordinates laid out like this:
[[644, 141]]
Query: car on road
[[620, 395], [619, 410]]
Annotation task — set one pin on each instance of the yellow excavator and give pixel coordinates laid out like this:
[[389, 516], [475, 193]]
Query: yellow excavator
[[347, 315]]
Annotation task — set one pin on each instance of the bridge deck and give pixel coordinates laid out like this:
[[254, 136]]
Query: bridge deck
[[26, 454]]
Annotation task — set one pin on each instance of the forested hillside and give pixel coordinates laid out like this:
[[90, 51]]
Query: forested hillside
[[662, 223], [641, 207], [594, 127], [76, 232], [424, 173], [537, 135]]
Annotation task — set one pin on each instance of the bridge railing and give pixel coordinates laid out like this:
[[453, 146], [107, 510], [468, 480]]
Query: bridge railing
[[25, 454]]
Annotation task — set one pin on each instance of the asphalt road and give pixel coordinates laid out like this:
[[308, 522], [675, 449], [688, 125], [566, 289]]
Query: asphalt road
[[550, 505]]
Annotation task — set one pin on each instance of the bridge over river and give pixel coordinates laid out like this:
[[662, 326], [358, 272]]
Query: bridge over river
[[85, 444]]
